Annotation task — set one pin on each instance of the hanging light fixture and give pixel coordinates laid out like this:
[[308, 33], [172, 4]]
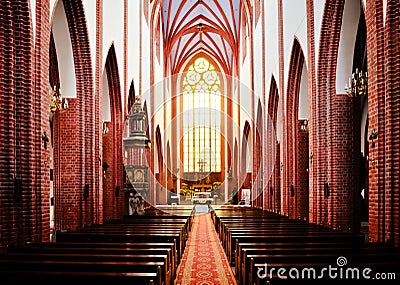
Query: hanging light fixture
[[358, 84], [57, 102], [304, 125]]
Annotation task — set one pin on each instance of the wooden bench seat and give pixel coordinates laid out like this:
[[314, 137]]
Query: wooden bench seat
[[140, 252], [133, 250], [226, 230], [67, 266], [44, 277], [168, 248], [299, 238], [296, 231], [107, 245], [136, 231], [123, 238], [253, 238], [95, 257]]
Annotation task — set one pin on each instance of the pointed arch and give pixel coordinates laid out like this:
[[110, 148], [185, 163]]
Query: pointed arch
[[84, 133], [131, 97], [236, 160], [170, 178], [245, 159], [273, 151], [161, 193], [293, 195], [258, 170], [112, 141]]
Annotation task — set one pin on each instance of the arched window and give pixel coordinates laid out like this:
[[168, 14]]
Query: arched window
[[202, 119]]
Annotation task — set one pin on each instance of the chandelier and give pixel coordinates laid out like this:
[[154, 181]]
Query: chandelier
[[358, 84], [304, 125], [57, 102]]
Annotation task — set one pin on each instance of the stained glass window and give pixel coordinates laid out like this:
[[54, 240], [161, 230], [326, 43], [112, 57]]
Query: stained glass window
[[202, 119]]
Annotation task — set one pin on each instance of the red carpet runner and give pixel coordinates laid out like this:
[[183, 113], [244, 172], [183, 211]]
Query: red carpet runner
[[204, 261]]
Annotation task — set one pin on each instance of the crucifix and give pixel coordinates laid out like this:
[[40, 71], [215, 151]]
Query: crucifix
[[201, 164], [45, 139]]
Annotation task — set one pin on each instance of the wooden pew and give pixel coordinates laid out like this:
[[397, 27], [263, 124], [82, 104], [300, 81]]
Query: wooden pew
[[300, 248], [95, 257], [252, 238], [376, 257], [136, 250], [152, 251], [23, 277], [140, 229], [88, 237], [291, 231], [12, 268], [299, 238], [140, 248]]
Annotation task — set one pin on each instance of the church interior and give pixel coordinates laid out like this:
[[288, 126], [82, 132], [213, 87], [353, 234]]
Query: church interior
[[169, 142]]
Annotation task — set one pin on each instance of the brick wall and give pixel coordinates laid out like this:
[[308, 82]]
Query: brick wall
[[323, 158], [20, 157], [98, 197], [392, 55], [376, 94], [109, 176], [302, 173], [383, 116]]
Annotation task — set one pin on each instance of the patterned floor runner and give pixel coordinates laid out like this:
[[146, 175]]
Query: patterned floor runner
[[204, 261]]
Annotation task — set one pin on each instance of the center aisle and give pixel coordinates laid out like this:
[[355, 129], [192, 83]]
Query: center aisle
[[204, 261]]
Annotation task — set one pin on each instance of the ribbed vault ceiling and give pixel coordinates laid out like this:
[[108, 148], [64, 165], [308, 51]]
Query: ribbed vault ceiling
[[201, 26]]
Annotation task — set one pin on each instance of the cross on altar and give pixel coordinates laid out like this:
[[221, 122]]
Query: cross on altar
[[201, 164]]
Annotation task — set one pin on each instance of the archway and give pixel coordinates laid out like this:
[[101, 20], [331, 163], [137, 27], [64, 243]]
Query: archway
[[161, 191], [273, 192], [258, 170], [112, 139], [245, 176], [296, 169], [75, 183]]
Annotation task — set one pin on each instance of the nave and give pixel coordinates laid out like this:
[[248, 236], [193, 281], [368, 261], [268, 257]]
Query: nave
[[182, 245]]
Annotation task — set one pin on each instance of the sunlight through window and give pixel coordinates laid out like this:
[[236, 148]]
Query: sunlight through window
[[202, 119]]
